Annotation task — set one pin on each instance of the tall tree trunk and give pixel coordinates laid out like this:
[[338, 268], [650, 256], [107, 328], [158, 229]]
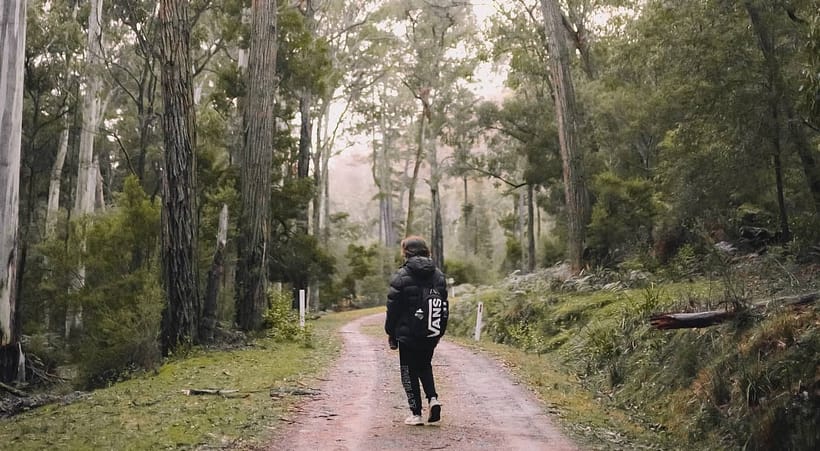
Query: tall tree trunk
[[305, 145], [794, 127], [257, 161], [86, 175], [12, 49], [383, 180], [303, 172], [320, 156], [785, 230], [317, 200], [530, 229], [208, 324], [411, 193], [53, 208], [92, 100], [179, 229], [577, 201], [437, 235], [775, 136], [305, 151], [521, 227], [99, 195], [326, 195], [466, 226]]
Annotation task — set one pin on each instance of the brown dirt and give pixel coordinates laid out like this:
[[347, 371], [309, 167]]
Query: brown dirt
[[361, 404]]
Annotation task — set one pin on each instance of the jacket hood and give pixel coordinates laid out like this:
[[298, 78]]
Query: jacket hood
[[421, 266]]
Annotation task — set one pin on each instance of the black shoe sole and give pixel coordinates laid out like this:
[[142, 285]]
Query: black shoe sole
[[435, 414]]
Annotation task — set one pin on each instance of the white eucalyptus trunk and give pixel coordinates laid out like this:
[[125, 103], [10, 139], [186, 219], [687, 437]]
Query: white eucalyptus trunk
[[92, 102], [99, 195], [86, 175], [53, 209], [12, 54]]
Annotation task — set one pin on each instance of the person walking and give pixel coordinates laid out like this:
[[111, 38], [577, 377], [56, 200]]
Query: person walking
[[417, 312]]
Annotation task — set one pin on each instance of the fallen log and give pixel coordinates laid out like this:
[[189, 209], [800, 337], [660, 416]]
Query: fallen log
[[209, 391], [13, 405], [666, 321], [13, 390]]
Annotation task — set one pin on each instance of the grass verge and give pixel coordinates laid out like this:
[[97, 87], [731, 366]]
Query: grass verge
[[152, 412], [617, 383], [582, 415]]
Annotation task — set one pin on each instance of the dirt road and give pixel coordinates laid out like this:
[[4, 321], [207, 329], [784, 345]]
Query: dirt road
[[361, 404]]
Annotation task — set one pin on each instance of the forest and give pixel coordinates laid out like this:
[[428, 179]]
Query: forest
[[170, 170]]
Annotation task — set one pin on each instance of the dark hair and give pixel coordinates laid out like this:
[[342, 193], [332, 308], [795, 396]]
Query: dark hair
[[414, 246]]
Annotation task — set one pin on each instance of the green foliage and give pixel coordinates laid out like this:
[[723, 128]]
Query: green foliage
[[470, 270], [121, 325], [282, 320], [513, 255], [302, 58], [368, 274], [121, 298], [552, 252], [300, 259], [685, 263], [622, 216]]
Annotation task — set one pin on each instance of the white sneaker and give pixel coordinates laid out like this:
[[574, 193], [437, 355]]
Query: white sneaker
[[435, 411], [414, 420]]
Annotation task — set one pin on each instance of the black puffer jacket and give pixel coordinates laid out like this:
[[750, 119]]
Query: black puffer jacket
[[406, 289]]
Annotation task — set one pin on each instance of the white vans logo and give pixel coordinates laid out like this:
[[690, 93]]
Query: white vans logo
[[434, 318]]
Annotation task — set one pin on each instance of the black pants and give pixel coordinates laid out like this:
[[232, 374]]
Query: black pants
[[416, 364]]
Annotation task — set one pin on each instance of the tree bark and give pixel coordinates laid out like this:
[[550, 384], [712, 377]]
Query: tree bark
[[437, 234], [179, 228], [530, 229], [411, 193], [12, 49], [577, 201], [53, 208], [208, 324], [382, 177], [257, 161], [92, 100], [86, 174], [437, 240]]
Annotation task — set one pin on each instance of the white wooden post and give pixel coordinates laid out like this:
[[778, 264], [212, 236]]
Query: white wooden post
[[478, 314], [302, 309]]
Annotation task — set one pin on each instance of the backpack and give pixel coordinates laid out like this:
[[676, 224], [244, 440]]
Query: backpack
[[431, 315]]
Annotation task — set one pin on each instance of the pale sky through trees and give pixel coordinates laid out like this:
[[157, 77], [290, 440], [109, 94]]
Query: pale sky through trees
[[351, 184]]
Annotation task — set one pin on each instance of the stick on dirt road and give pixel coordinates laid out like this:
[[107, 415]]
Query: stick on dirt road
[[361, 405]]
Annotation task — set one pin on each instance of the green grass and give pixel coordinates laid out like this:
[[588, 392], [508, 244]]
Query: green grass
[[585, 416], [152, 412], [615, 382]]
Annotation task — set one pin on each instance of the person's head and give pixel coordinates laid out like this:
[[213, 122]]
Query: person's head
[[414, 246]]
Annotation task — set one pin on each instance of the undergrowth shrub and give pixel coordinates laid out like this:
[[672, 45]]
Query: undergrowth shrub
[[282, 321], [469, 270], [762, 393], [121, 326], [120, 296], [463, 312]]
